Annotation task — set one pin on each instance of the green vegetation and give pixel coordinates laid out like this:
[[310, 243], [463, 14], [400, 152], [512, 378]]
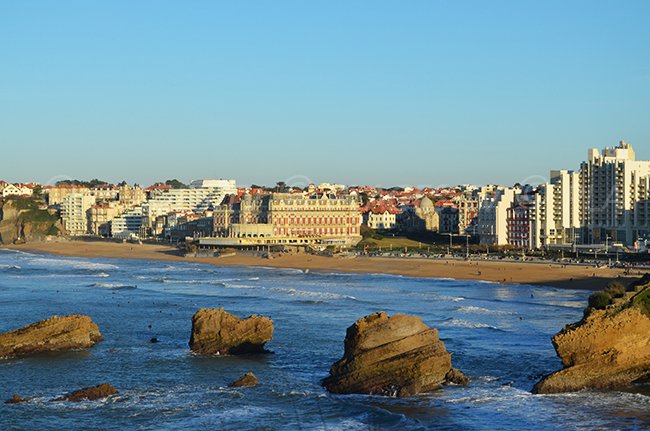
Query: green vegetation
[[29, 213], [23, 202], [600, 300], [175, 184], [80, 183], [366, 233], [396, 243], [643, 301], [615, 289], [37, 216]]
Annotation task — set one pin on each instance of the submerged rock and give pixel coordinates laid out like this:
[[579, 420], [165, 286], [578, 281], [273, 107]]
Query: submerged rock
[[15, 399], [90, 394], [248, 380], [608, 349], [217, 332], [54, 334], [395, 356]]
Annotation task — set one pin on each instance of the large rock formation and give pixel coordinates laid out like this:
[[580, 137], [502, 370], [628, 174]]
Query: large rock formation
[[217, 332], [54, 334], [90, 394], [395, 356], [22, 220], [608, 349]]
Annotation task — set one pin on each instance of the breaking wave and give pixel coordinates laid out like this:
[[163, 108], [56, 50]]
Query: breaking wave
[[309, 294], [73, 264], [113, 286], [480, 310], [462, 323]]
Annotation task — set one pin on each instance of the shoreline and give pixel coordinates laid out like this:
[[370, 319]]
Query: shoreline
[[532, 273]]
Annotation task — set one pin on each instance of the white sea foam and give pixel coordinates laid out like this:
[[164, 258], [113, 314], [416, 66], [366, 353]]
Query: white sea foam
[[452, 298], [280, 270], [74, 264], [239, 286], [310, 294], [480, 310], [569, 304], [113, 286], [462, 323], [7, 250]]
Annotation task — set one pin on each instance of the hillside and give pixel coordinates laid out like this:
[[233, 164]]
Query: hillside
[[22, 220]]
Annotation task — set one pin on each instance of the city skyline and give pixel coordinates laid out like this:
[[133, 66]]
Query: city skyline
[[428, 93], [302, 181]]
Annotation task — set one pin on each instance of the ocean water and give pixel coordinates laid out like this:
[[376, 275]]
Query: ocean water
[[499, 336]]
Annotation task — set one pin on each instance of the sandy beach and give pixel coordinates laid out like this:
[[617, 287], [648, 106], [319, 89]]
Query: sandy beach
[[548, 274]]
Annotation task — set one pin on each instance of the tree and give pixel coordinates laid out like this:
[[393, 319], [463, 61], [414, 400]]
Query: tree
[[81, 183], [175, 184]]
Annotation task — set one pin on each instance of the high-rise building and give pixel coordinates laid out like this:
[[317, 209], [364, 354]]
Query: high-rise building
[[614, 195], [74, 213], [202, 195], [493, 215]]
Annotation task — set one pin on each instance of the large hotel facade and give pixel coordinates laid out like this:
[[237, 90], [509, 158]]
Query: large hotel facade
[[290, 219]]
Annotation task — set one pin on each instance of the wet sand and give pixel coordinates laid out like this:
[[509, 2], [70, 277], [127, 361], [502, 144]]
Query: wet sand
[[548, 274]]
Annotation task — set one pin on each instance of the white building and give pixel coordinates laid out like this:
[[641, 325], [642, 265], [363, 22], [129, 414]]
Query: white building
[[128, 225], [381, 220], [493, 215], [15, 190], [74, 213], [202, 195], [615, 198]]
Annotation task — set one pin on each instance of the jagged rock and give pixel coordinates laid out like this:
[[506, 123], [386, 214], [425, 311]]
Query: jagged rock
[[26, 223], [90, 394], [248, 380], [53, 334], [457, 377], [395, 356], [608, 349], [217, 332], [15, 399]]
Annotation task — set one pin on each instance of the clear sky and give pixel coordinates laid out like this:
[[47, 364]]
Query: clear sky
[[373, 92]]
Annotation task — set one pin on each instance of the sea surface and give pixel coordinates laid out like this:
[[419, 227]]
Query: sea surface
[[499, 336]]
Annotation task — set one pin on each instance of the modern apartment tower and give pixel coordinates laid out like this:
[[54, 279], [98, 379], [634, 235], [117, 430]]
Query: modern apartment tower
[[614, 195]]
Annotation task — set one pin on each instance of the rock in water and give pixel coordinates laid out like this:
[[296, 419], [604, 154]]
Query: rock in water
[[395, 356], [217, 332], [54, 334], [248, 380], [608, 349], [90, 394], [16, 399]]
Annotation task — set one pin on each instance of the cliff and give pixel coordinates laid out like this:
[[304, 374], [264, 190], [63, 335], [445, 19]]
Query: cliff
[[609, 348], [21, 220]]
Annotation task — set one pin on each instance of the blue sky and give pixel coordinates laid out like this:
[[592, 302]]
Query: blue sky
[[374, 92]]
